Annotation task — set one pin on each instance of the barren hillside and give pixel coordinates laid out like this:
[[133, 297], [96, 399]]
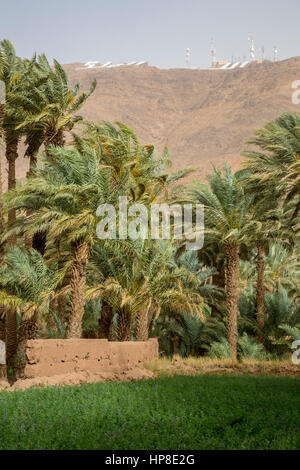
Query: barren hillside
[[203, 116]]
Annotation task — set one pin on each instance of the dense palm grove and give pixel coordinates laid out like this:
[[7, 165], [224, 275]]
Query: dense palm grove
[[238, 297]]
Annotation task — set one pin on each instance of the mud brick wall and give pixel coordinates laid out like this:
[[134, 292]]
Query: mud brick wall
[[47, 357]]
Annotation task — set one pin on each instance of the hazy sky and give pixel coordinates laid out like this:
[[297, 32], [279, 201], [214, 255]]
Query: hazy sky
[[155, 30]]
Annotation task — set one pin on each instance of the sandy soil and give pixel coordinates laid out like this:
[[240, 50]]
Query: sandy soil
[[156, 369], [78, 378], [196, 366]]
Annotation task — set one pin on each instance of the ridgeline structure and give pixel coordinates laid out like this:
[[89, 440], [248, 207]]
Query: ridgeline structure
[[108, 65]]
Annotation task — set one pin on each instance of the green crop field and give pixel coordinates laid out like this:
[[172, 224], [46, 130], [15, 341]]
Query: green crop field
[[174, 413]]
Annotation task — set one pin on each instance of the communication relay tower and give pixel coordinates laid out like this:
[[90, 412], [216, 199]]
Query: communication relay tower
[[213, 61], [262, 51], [252, 48], [275, 53], [188, 56]]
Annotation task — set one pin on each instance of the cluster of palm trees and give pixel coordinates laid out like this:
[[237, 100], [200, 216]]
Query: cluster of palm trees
[[58, 279], [254, 213]]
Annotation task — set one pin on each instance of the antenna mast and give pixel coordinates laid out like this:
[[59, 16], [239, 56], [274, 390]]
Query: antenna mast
[[262, 51], [275, 53], [252, 48], [188, 56], [213, 61]]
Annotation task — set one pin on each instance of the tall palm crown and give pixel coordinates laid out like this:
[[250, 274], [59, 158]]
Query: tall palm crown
[[118, 147], [64, 194], [227, 208], [12, 74], [277, 160], [49, 107]]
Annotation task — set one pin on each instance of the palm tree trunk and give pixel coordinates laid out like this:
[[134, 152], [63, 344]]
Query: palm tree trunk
[[124, 326], [2, 319], [1, 217], [142, 332], [175, 342], [260, 286], [11, 336], [11, 154], [2, 326], [151, 317], [2, 114], [61, 308], [38, 241], [32, 165], [51, 324], [232, 277], [2, 338], [77, 284], [28, 330], [105, 329], [54, 137]]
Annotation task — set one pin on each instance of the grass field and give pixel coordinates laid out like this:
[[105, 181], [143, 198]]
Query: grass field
[[174, 413]]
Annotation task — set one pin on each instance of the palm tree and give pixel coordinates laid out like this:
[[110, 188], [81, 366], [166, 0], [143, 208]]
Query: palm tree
[[46, 111], [138, 280], [281, 309], [27, 284], [268, 210], [118, 148], [276, 159], [283, 268], [11, 74], [13, 79], [179, 334], [265, 210], [211, 257], [63, 196], [116, 277], [49, 107], [2, 312], [227, 223]]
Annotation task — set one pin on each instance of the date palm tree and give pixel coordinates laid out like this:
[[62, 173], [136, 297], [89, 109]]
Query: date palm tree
[[275, 158], [273, 165], [27, 285], [118, 148], [63, 196], [13, 76], [138, 280], [50, 106], [47, 109], [227, 223], [19, 77]]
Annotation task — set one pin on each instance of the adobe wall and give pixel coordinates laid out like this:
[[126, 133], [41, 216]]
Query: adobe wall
[[47, 357]]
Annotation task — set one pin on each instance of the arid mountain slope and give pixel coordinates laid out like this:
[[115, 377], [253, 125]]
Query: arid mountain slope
[[203, 116]]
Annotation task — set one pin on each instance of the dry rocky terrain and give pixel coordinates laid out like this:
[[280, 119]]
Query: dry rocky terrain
[[203, 116]]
